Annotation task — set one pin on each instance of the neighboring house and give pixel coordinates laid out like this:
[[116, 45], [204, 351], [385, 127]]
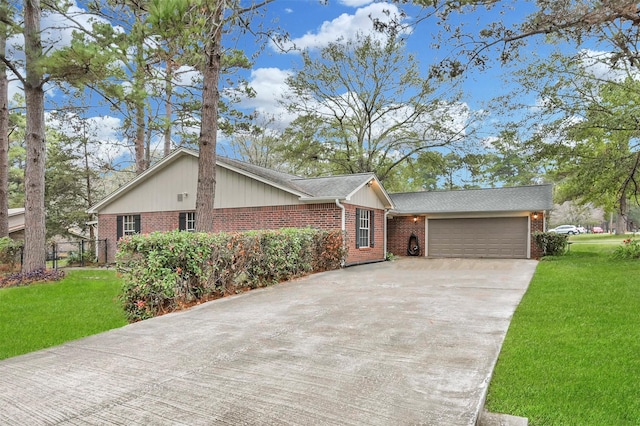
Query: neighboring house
[[248, 197], [495, 223], [16, 223]]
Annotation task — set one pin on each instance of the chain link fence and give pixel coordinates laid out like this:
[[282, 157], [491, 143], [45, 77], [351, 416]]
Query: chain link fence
[[77, 253]]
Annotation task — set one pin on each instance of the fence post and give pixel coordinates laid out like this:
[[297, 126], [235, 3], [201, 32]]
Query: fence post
[[106, 252], [82, 253], [54, 255]]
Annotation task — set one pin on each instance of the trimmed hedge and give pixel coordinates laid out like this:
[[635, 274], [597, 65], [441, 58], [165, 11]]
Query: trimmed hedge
[[551, 243], [164, 271]]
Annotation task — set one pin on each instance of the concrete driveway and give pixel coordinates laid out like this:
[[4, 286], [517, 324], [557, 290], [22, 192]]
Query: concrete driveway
[[407, 342]]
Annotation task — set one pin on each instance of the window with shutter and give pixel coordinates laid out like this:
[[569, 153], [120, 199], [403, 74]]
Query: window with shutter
[[363, 228], [187, 221]]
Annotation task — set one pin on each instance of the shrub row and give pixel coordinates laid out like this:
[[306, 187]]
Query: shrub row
[[163, 271]]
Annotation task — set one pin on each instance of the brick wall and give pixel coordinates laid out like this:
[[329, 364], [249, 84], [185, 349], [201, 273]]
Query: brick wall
[[399, 229], [364, 254], [322, 216], [537, 225]]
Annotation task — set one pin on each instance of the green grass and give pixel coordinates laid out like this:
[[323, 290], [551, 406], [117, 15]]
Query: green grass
[[43, 315], [572, 353]]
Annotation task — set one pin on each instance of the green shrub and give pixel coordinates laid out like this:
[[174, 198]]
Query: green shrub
[[551, 243], [75, 258], [163, 271], [10, 250], [630, 249]]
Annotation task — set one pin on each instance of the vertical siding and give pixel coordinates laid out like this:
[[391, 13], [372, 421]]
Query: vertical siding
[[159, 192], [367, 197], [236, 190]]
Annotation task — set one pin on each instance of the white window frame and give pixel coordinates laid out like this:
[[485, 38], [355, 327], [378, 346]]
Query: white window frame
[[364, 229], [190, 222], [129, 224]]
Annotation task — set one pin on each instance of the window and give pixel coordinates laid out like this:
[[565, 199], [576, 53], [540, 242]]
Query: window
[[187, 221], [364, 228], [128, 225]]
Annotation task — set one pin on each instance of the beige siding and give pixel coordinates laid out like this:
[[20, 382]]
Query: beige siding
[[366, 197], [16, 221], [236, 190], [160, 191]]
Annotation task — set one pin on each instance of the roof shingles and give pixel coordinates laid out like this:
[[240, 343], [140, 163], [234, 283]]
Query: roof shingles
[[340, 186], [522, 198]]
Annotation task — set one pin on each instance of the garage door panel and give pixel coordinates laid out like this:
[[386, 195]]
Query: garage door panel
[[478, 237]]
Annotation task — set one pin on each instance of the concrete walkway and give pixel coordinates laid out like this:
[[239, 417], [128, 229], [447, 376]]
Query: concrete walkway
[[407, 342]]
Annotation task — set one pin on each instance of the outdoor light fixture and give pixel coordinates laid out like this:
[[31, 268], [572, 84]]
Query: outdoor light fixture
[[535, 215], [415, 219]]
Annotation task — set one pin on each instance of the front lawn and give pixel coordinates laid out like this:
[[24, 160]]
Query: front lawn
[[572, 353], [43, 315]]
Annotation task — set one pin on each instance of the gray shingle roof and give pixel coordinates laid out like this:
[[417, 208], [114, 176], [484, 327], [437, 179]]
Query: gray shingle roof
[[340, 186], [522, 198], [334, 186]]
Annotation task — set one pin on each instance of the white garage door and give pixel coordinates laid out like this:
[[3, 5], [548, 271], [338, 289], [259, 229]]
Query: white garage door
[[504, 237]]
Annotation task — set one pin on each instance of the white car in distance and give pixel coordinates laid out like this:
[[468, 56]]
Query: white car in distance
[[565, 229]]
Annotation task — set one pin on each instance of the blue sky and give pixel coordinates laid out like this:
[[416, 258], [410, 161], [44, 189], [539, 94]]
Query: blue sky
[[312, 25]]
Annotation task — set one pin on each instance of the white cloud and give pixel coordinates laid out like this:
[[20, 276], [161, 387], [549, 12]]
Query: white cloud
[[355, 3], [57, 30], [270, 86], [187, 76], [599, 64], [346, 27], [105, 139]]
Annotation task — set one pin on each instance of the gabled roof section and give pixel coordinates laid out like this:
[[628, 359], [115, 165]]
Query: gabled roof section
[[521, 198], [343, 187], [307, 189], [151, 171]]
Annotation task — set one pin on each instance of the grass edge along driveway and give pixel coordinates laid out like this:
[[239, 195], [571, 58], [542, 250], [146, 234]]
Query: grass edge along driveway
[[572, 352], [48, 314]]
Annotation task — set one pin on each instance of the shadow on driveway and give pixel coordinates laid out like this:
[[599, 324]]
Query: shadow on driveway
[[407, 342]]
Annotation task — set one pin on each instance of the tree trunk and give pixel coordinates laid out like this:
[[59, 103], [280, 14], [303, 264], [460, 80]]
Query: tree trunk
[[139, 94], [4, 130], [208, 128], [168, 107], [621, 222], [140, 141], [34, 236]]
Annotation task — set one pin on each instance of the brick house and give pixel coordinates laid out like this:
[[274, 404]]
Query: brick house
[[494, 222], [491, 223], [248, 197]]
